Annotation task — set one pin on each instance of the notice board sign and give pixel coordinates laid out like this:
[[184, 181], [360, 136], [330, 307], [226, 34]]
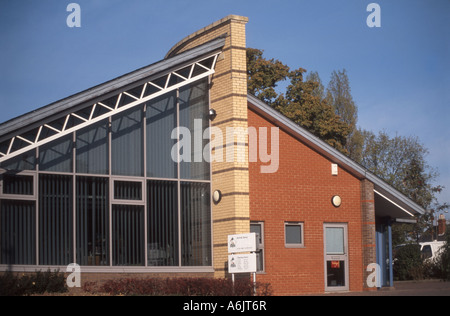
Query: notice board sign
[[243, 263], [242, 243]]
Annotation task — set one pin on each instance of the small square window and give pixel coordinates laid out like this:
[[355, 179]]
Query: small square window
[[293, 235], [128, 192], [17, 186]]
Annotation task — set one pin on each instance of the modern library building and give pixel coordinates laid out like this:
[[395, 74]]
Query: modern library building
[[135, 177]]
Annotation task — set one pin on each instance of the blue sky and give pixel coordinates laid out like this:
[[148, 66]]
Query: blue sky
[[399, 73]]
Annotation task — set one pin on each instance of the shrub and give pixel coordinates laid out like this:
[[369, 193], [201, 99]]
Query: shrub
[[181, 286], [408, 264], [9, 285], [38, 283], [90, 287], [445, 259], [433, 269]]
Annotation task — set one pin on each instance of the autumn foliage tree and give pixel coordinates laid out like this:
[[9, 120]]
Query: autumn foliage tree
[[309, 110], [263, 76], [332, 116], [301, 102]]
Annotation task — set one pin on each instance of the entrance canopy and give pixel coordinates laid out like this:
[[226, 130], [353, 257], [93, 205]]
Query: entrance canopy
[[385, 207], [390, 203]]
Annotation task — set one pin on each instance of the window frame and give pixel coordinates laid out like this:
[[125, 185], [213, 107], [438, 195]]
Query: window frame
[[302, 233], [79, 232], [260, 253], [32, 252], [127, 202], [426, 252], [22, 197]]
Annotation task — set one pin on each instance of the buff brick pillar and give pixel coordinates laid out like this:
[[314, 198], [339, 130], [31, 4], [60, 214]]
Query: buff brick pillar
[[228, 96]]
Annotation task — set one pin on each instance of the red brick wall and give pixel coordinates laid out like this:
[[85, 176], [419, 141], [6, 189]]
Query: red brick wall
[[301, 191]]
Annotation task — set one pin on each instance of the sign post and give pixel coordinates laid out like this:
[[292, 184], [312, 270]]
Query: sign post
[[240, 262]]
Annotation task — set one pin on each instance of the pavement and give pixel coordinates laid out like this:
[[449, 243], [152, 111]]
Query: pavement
[[407, 288]]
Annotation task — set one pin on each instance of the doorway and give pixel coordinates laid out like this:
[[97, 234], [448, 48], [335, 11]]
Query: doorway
[[336, 257]]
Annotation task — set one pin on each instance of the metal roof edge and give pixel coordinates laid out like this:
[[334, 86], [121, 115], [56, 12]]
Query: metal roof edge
[[333, 154], [109, 86]]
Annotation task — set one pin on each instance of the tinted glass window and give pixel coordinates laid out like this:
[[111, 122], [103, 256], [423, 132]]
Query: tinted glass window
[[161, 121], [127, 143], [92, 149]]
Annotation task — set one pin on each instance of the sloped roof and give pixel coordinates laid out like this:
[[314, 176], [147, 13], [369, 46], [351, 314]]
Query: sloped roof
[[63, 117], [384, 192], [390, 201], [30, 119]]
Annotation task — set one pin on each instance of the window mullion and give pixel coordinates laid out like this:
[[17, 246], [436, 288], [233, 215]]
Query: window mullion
[[178, 179]]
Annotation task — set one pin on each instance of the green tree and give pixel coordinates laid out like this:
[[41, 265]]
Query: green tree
[[319, 91], [401, 162], [445, 258], [408, 265], [305, 107], [303, 100], [263, 76], [340, 97]]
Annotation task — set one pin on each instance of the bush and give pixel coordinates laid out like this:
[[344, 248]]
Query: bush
[[408, 264], [38, 283], [181, 286], [445, 259], [433, 269]]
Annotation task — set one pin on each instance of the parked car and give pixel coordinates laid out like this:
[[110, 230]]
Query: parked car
[[430, 251]]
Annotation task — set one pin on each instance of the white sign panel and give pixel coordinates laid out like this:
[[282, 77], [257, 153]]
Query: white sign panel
[[242, 243], [242, 263]]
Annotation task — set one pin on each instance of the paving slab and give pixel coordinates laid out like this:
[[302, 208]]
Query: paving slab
[[407, 288]]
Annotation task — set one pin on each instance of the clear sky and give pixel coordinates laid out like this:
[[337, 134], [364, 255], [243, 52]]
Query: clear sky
[[399, 73]]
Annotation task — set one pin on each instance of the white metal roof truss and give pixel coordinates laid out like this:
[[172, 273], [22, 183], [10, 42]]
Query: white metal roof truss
[[50, 131]]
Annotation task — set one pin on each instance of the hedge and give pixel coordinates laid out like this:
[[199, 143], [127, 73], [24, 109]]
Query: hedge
[[179, 286]]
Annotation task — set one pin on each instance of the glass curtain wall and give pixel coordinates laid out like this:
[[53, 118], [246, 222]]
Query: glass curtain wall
[[113, 193], [127, 143], [55, 219], [128, 235], [161, 117], [194, 108], [92, 215], [92, 149], [162, 224], [18, 232], [196, 220]]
